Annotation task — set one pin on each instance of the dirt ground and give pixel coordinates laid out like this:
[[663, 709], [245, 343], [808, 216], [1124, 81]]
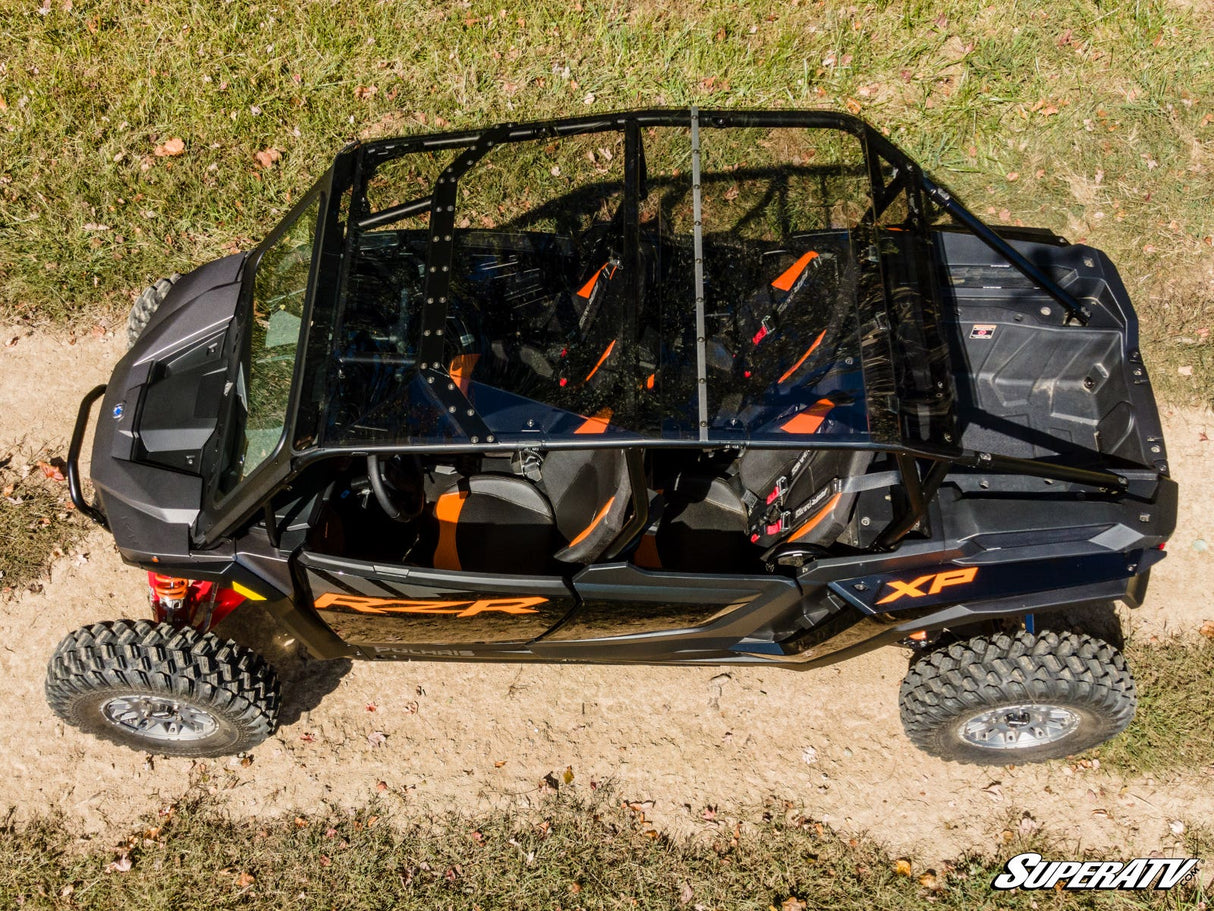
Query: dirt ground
[[826, 743]]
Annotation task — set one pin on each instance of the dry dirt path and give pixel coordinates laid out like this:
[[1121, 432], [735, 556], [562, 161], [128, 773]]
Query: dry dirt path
[[470, 738]]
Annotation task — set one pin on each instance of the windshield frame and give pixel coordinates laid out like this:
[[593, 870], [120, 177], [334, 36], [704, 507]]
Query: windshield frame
[[222, 509]]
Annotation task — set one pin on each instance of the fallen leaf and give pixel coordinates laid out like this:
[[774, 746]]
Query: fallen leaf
[[381, 786], [377, 738], [121, 865], [267, 157], [1207, 629], [499, 763], [1177, 827], [1185, 370], [686, 894], [245, 879], [170, 148], [363, 92], [568, 776], [51, 471], [902, 867], [993, 791]]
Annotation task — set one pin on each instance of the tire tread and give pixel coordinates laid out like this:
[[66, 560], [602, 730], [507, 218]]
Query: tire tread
[[1050, 666], [150, 656]]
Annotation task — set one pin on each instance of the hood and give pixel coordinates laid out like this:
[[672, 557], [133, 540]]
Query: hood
[[156, 433]]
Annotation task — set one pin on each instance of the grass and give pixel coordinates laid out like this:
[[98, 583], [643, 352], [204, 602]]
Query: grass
[[1174, 726], [37, 520], [1092, 117], [568, 854]]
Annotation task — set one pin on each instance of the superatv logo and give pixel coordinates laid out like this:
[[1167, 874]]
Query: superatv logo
[[1030, 871], [931, 584], [388, 606]]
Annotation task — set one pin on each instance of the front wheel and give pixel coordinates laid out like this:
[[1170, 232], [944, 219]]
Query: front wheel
[[1017, 698], [157, 689]]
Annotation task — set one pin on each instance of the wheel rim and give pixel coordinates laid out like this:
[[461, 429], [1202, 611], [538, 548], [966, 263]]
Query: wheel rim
[[1019, 727], [160, 718]]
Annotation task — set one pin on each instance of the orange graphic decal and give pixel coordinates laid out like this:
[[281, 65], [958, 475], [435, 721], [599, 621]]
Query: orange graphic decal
[[939, 582], [388, 606]]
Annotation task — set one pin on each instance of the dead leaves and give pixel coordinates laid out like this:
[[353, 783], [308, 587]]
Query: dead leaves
[[1207, 629], [52, 469], [267, 158], [170, 148]]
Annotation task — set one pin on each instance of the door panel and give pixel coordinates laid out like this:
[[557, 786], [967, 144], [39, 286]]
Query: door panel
[[376, 604], [621, 600]]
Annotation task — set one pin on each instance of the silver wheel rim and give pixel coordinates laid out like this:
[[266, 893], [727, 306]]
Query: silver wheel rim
[[159, 718], [1019, 727]]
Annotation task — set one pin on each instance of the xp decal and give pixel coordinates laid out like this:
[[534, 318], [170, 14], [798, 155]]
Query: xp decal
[[381, 606], [931, 584]]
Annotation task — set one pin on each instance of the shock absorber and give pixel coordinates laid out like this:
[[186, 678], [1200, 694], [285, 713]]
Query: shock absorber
[[169, 596]]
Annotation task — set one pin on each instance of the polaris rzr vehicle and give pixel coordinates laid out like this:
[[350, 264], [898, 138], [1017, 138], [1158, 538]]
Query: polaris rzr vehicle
[[657, 387]]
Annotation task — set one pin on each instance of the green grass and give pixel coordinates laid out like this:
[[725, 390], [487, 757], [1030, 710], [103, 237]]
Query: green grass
[[1174, 726], [1102, 109], [568, 854], [37, 521]]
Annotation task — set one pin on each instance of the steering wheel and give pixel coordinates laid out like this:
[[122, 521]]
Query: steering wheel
[[397, 485]]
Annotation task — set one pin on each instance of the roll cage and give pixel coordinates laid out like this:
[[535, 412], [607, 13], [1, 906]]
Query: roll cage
[[906, 399]]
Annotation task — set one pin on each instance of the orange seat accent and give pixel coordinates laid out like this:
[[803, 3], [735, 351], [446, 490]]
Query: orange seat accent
[[598, 517], [461, 368], [646, 555], [596, 423], [446, 511], [817, 517], [588, 289], [809, 420], [809, 351], [789, 276], [649, 381], [606, 354]]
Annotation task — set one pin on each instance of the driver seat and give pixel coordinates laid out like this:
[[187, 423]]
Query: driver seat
[[569, 515]]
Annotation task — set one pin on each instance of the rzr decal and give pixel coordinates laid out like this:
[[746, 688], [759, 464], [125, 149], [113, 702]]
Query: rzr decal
[[931, 584], [389, 606]]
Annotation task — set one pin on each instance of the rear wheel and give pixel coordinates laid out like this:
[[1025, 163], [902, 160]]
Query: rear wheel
[[145, 307], [162, 690], [1002, 699]]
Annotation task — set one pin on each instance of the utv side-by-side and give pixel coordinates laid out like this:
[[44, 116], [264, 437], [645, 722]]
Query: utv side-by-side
[[678, 387]]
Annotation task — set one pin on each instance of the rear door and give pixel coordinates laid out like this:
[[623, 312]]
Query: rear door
[[382, 607]]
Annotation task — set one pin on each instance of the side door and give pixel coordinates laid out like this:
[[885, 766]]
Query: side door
[[631, 614], [388, 610]]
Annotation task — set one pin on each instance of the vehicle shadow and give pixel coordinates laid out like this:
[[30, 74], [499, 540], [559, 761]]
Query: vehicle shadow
[[304, 680]]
